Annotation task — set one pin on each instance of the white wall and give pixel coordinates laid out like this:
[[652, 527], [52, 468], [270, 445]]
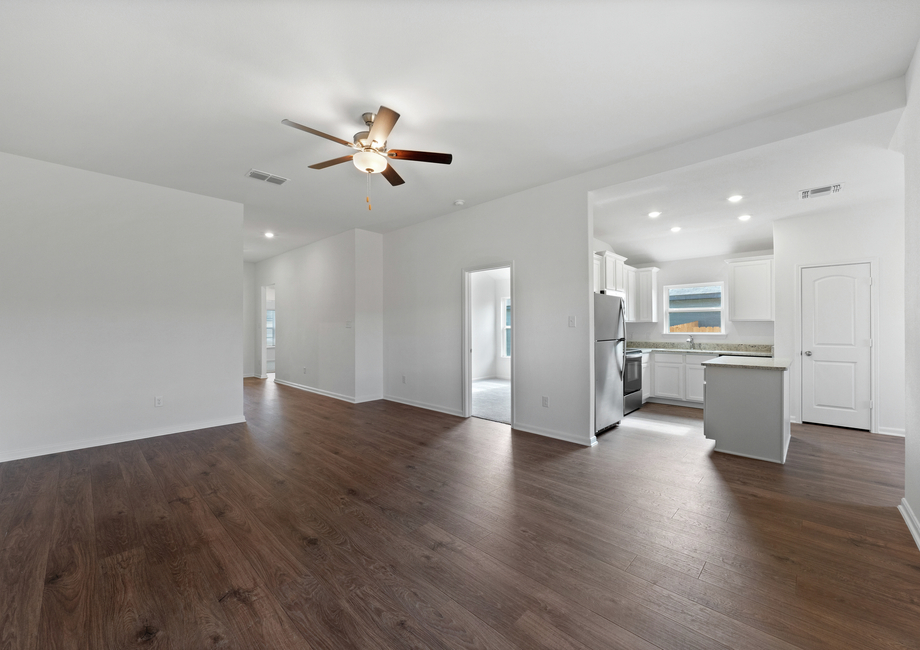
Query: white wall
[[328, 315], [484, 324], [909, 143], [869, 232], [545, 232], [597, 246], [699, 270], [368, 316], [314, 315], [125, 291], [250, 319]]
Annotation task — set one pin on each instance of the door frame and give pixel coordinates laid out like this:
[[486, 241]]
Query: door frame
[[873, 333], [263, 332], [466, 356]]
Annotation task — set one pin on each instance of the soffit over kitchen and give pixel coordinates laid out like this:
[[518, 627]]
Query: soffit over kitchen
[[769, 178]]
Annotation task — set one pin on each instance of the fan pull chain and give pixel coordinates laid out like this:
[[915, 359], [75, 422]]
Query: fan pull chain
[[368, 190]]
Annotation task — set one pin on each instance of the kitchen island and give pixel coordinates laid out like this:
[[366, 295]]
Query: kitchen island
[[746, 406]]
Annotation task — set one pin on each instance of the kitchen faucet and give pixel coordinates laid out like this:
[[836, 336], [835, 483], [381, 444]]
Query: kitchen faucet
[[690, 341]]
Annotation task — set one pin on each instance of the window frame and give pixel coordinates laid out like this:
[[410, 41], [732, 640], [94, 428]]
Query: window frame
[[666, 308], [273, 328], [504, 327]]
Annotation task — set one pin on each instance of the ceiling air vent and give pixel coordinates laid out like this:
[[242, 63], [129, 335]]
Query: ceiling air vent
[[815, 192], [265, 176]]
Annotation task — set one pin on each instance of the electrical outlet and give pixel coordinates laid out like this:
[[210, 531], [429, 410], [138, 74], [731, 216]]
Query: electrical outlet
[[158, 400], [545, 401], [404, 379], [571, 321]]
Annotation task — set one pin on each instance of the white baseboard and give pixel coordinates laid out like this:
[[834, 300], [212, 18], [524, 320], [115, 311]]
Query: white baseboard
[[423, 405], [891, 431], [913, 525], [586, 441], [794, 420], [318, 391], [367, 398], [56, 448]]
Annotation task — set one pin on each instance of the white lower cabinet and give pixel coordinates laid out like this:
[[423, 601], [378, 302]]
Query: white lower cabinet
[[679, 376], [646, 378], [668, 374]]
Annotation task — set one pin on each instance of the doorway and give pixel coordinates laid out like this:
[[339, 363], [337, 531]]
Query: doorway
[[837, 345], [489, 332], [268, 332]]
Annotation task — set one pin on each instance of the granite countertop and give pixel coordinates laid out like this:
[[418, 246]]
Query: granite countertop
[[724, 353], [723, 349], [757, 363]]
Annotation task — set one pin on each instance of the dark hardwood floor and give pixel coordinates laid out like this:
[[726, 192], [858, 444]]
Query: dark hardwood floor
[[321, 524]]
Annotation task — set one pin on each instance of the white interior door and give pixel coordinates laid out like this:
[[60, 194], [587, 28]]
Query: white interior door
[[836, 340]]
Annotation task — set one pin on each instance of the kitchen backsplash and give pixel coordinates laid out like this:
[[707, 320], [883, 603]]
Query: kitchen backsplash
[[674, 345]]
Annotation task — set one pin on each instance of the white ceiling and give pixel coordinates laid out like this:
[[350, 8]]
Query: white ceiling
[[191, 94], [769, 178]]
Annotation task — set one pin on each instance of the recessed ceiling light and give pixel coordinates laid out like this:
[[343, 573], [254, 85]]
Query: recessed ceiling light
[[735, 198], [654, 214], [459, 202], [744, 217], [269, 234], [675, 229]]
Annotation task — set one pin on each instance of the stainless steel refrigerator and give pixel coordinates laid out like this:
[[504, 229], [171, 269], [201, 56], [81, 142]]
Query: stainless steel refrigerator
[[609, 360]]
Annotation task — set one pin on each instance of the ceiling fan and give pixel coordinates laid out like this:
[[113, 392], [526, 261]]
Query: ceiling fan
[[372, 156]]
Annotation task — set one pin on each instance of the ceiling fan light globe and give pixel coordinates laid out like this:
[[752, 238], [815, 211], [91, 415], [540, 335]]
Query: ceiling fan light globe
[[370, 162]]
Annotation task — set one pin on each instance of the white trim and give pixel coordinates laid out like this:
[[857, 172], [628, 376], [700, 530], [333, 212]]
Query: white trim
[[423, 405], [913, 524], [558, 435], [42, 450], [874, 293], [593, 441], [318, 391], [666, 310], [466, 339], [794, 420], [892, 431], [368, 398]]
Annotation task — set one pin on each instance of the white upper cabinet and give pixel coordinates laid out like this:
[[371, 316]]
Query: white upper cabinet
[[647, 295], [750, 289], [598, 265], [632, 294], [613, 275]]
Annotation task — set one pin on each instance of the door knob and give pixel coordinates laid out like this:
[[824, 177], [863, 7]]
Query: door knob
[[807, 353]]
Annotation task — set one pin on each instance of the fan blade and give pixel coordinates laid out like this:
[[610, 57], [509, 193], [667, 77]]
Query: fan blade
[[421, 156], [319, 133], [383, 124], [330, 163], [390, 174]]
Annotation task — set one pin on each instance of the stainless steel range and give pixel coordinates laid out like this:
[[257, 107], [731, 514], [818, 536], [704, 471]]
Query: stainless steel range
[[632, 381]]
